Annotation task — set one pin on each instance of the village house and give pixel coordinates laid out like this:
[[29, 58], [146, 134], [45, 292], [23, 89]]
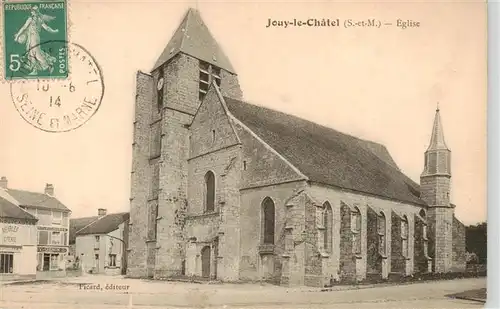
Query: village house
[[52, 226], [76, 224], [100, 247], [227, 190], [18, 239]]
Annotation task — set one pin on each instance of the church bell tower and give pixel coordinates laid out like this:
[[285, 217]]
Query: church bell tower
[[167, 100], [435, 191]]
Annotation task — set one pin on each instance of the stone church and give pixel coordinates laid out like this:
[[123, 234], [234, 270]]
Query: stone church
[[227, 190]]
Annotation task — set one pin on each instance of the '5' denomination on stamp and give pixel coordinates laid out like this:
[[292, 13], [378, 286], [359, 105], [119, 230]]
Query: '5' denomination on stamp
[[27, 26]]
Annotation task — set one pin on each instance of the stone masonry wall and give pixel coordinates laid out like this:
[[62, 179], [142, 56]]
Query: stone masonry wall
[[293, 270], [435, 190], [140, 177], [211, 129], [442, 225], [347, 259], [172, 201], [230, 86], [181, 102], [224, 221], [335, 196], [181, 84], [215, 147], [313, 259], [397, 258], [459, 250], [420, 256], [263, 166], [373, 258], [251, 228]]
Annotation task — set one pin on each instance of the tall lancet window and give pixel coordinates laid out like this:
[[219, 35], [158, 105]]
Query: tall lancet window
[[424, 232], [356, 230], [209, 192], [159, 89], [381, 223], [404, 236], [327, 223], [268, 223]]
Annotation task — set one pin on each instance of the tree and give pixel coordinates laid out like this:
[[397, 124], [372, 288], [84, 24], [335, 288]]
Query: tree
[[476, 239]]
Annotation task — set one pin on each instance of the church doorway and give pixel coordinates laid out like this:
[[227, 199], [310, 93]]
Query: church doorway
[[205, 262]]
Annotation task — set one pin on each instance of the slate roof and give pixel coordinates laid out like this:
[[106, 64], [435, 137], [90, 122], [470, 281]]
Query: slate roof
[[193, 38], [9, 209], [77, 224], [35, 199], [328, 156], [437, 137], [105, 224]]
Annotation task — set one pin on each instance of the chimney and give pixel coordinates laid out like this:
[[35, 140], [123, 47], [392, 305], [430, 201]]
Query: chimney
[[3, 182], [49, 189], [101, 212]]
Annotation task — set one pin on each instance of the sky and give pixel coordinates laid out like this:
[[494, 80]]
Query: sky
[[380, 84]]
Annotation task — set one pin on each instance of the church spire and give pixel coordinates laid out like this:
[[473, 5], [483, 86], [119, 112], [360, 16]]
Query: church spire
[[435, 178], [193, 38], [437, 136]]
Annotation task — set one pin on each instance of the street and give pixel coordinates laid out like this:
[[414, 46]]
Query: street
[[93, 292]]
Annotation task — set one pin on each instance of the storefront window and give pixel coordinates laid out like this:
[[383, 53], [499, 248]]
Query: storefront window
[[54, 261], [6, 263], [50, 261]]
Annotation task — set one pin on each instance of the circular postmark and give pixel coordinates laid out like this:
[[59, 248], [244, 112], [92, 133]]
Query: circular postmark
[[60, 105]]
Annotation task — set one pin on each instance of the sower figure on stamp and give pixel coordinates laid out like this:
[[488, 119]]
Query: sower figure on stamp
[[29, 34]]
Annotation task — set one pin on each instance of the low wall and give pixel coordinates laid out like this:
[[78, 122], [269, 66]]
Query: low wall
[[114, 271], [43, 275], [14, 277], [73, 272]]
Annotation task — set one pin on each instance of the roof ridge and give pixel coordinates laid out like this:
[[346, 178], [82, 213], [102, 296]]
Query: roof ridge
[[329, 128], [185, 32], [79, 218], [303, 119], [76, 232], [29, 191], [100, 219]]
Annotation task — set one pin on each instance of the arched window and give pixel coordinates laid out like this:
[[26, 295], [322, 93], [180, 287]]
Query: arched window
[[381, 233], [268, 221], [356, 230], [327, 223], [404, 236], [424, 232], [209, 192], [159, 89]]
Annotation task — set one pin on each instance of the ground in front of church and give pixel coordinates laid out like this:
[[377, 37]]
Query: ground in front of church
[[104, 292]]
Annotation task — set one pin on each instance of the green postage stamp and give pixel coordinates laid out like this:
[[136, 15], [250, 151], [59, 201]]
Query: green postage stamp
[[35, 39]]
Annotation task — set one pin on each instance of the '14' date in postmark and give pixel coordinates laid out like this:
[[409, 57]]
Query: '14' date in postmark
[[62, 105]]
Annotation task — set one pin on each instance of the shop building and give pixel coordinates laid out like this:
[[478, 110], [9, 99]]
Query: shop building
[[52, 228], [18, 247]]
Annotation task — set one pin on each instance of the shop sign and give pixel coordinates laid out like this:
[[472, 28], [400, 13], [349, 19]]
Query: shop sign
[[52, 249], [14, 234]]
